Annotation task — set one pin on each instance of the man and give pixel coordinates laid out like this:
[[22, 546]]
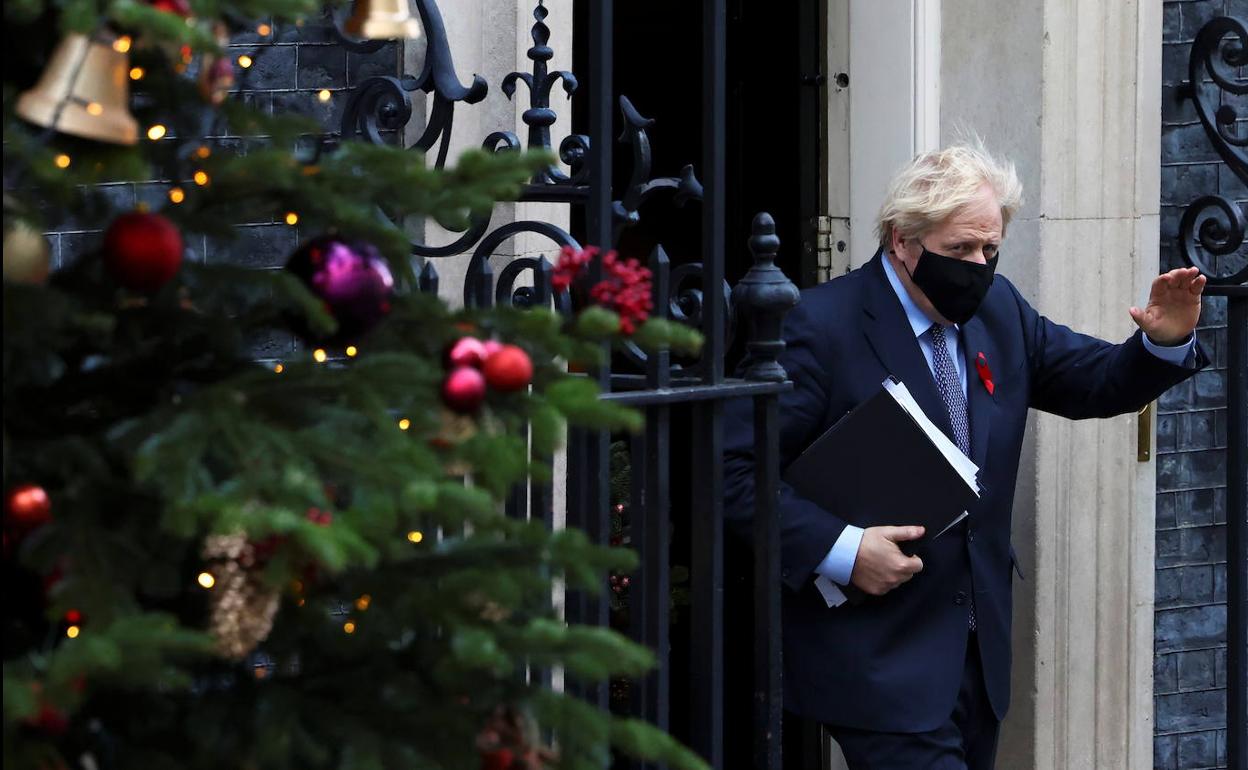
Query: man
[[917, 675]]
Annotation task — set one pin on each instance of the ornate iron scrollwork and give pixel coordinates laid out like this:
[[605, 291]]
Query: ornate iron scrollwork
[[1213, 226], [381, 104]]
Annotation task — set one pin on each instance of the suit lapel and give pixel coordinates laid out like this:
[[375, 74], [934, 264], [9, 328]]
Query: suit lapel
[[981, 405], [892, 338]]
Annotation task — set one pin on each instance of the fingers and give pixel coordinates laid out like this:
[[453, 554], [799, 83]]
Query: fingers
[[1198, 285], [1137, 315], [901, 534]]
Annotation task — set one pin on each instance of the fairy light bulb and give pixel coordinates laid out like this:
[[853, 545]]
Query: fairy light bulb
[[177, 195], [264, 30], [206, 580], [404, 424], [244, 61], [324, 95], [61, 161], [352, 351], [156, 132], [319, 355], [201, 178], [137, 73], [95, 109], [202, 151], [278, 368], [292, 218], [415, 536], [73, 631], [122, 44], [362, 603], [349, 627]]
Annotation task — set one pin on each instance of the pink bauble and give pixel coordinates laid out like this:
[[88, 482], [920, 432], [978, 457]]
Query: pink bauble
[[463, 390], [466, 351]]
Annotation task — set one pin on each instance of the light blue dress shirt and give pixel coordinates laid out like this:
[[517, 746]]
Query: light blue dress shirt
[[838, 565]]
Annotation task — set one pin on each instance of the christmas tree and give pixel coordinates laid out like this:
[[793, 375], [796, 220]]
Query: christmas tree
[[212, 561]]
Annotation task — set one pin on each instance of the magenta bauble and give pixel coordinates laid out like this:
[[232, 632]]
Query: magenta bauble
[[351, 278]]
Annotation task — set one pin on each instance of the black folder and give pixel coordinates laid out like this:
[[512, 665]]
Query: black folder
[[884, 463]]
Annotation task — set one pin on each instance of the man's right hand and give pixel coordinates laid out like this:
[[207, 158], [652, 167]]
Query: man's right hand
[[880, 565]]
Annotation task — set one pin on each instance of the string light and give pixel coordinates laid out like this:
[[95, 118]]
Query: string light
[[202, 151], [95, 108], [292, 218], [72, 632], [177, 195], [201, 178], [264, 30], [362, 603], [278, 368], [324, 95], [349, 627], [404, 424], [415, 536], [244, 61], [300, 602], [319, 355], [122, 44], [62, 161], [351, 351], [137, 73], [206, 580], [156, 132]]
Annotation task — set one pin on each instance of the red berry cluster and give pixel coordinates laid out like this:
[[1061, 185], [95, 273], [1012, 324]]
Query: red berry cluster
[[625, 287], [571, 263], [619, 583]]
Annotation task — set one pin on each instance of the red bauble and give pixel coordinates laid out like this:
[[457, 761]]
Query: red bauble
[[509, 369], [499, 759], [464, 390], [49, 721], [27, 507], [142, 251], [180, 7], [467, 351]]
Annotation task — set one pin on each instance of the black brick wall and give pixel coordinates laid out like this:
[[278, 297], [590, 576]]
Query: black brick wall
[[292, 64], [1189, 670]]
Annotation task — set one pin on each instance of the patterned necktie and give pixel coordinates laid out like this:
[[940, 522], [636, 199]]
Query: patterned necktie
[[955, 401]]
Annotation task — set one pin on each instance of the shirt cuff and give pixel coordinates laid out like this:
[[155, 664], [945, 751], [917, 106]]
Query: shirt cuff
[[838, 565], [1183, 354]]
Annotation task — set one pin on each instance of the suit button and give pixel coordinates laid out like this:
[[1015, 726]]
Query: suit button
[[959, 598]]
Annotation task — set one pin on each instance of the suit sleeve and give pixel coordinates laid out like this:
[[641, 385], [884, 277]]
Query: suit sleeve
[[1079, 376], [807, 532]]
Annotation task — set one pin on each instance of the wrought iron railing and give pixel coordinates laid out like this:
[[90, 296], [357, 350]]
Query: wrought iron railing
[[1211, 237], [694, 293]]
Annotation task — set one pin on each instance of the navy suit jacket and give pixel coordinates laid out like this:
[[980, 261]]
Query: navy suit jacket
[[894, 663]]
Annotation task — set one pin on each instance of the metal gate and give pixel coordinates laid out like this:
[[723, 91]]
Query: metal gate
[[1211, 236], [691, 293]]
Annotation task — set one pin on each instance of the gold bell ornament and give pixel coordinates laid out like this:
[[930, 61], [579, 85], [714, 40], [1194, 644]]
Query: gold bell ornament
[[85, 91], [382, 20]]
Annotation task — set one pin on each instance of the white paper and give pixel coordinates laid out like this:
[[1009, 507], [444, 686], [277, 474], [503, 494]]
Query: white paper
[[967, 469], [832, 593]]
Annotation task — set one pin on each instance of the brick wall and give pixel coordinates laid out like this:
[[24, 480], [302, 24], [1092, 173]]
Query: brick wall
[[293, 64], [1190, 630]]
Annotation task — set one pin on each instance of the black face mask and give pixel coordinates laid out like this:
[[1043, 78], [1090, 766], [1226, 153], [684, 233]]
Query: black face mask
[[955, 287]]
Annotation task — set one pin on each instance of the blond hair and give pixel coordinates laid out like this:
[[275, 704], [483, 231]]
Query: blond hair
[[936, 184]]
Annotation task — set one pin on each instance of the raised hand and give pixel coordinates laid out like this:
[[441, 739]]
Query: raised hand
[[1173, 306], [880, 565]]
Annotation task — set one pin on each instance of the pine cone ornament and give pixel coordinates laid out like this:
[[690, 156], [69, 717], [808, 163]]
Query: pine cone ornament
[[242, 606]]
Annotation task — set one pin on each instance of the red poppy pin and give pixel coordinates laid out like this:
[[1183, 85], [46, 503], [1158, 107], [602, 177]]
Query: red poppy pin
[[985, 374]]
